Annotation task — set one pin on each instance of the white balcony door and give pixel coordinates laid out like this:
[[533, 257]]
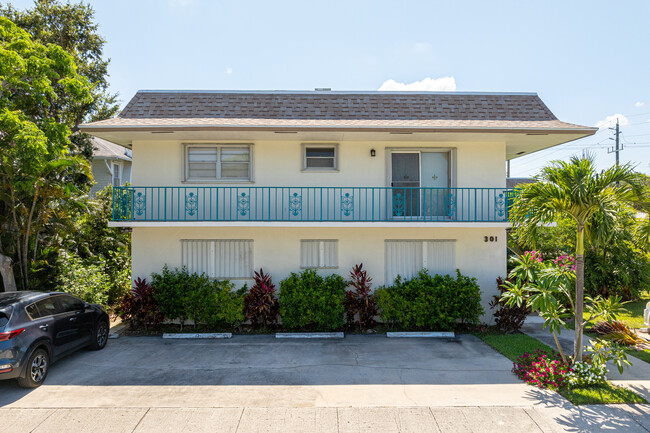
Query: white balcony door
[[415, 169]]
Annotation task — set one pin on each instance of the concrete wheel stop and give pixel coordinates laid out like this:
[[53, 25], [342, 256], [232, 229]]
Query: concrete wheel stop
[[309, 335], [200, 335]]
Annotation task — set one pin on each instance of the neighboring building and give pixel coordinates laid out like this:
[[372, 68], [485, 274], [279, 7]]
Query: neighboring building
[[111, 164], [514, 182], [227, 182]]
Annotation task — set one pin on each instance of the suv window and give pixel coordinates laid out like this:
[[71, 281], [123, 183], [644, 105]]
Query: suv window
[[70, 303], [4, 317], [43, 308]]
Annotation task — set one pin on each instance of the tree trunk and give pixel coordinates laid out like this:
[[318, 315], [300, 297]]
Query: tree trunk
[[7, 272], [580, 293]]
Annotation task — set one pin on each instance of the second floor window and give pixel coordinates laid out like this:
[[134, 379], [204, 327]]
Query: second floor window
[[222, 162], [117, 175], [320, 157]]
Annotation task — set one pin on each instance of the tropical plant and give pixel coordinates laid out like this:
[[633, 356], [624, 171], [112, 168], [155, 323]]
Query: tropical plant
[[360, 301], [310, 301], [574, 189], [547, 288], [619, 333], [260, 303], [507, 318], [84, 280], [36, 169], [430, 302], [139, 307]]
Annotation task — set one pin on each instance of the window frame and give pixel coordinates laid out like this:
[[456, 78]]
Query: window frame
[[117, 164], [213, 249], [334, 146], [423, 247], [218, 146], [321, 249]]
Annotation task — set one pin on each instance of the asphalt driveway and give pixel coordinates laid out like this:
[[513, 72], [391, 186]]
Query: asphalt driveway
[[264, 360]]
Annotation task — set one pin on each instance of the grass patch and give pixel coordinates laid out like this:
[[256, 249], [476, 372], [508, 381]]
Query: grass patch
[[634, 315], [512, 345], [643, 355], [602, 394]]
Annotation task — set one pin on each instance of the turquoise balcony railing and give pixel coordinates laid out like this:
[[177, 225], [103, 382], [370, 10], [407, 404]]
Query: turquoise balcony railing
[[262, 203]]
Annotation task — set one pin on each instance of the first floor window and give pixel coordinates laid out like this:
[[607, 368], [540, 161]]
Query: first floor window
[[217, 162], [408, 257], [219, 258], [319, 254]]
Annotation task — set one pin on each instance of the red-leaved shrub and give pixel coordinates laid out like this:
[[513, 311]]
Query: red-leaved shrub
[[360, 301], [260, 303], [138, 306]]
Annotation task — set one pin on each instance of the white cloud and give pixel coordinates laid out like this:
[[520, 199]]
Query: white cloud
[[229, 71], [610, 121], [639, 104], [427, 84]]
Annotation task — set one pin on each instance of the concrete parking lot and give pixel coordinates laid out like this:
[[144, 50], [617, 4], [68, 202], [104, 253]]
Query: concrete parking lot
[[258, 383]]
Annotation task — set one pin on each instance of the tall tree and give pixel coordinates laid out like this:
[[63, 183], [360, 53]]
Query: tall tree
[[40, 86], [72, 27], [574, 189]]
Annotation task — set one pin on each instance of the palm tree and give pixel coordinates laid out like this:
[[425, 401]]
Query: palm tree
[[574, 189]]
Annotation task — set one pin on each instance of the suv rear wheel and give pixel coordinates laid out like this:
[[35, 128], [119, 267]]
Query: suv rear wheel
[[38, 364]]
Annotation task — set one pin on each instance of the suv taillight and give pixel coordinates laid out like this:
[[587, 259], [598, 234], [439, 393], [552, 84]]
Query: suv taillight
[[4, 336]]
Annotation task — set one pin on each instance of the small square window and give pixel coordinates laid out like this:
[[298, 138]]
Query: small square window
[[320, 157]]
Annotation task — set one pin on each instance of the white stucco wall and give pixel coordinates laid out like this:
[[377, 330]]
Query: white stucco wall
[[277, 249], [279, 163]]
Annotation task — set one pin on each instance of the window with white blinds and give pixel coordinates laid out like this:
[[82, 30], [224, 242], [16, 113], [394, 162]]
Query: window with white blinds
[[222, 162], [319, 254], [220, 259], [408, 257]]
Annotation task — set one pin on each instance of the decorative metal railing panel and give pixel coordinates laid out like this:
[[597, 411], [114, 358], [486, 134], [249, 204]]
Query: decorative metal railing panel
[[262, 203]]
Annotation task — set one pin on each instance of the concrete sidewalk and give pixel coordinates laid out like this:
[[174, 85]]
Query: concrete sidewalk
[[529, 419]]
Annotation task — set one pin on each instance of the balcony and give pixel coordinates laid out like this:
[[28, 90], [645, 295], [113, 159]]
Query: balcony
[[309, 204]]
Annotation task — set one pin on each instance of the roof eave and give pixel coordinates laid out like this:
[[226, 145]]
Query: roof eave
[[481, 129]]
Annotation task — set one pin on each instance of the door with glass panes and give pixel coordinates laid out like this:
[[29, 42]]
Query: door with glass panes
[[420, 182]]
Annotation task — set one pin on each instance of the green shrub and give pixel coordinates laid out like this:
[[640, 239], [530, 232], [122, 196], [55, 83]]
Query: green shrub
[[183, 296], [427, 302], [313, 302], [86, 281]]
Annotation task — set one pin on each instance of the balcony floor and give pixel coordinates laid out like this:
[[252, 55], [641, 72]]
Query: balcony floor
[[432, 224]]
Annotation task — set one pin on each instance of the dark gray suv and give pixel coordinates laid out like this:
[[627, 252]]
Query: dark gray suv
[[37, 328]]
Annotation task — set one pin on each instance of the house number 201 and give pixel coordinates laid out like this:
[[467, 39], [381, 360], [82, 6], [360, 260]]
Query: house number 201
[[490, 238]]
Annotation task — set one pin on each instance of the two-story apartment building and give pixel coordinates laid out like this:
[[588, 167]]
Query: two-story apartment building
[[226, 182]]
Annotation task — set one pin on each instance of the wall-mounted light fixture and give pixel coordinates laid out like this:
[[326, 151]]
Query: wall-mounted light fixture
[[372, 152]]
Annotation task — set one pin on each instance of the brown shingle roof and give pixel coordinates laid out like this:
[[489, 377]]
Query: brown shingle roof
[[335, 109]]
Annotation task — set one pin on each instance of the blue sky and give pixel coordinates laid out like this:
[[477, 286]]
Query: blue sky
[[588, 60]]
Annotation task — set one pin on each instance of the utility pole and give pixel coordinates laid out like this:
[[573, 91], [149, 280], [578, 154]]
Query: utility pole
[[508, 168], [616, 150]]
